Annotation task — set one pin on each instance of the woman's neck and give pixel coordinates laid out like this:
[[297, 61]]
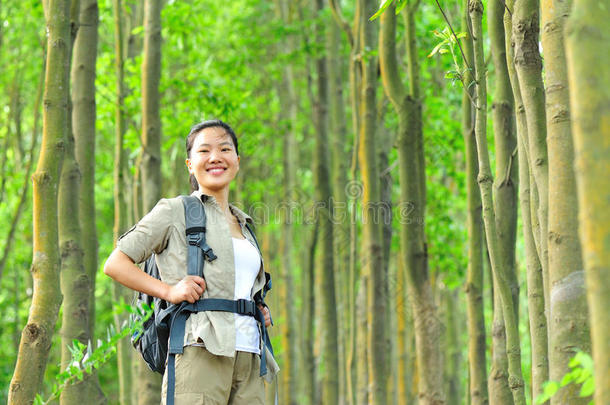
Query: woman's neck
[[221, 197]]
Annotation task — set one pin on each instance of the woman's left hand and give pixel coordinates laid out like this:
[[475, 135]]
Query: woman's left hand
[[266, 314]]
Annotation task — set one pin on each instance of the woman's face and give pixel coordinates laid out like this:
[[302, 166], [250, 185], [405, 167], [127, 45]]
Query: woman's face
[[213, 160]]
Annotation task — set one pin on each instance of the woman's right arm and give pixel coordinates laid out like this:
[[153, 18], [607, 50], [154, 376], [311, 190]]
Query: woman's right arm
[[122, 269]]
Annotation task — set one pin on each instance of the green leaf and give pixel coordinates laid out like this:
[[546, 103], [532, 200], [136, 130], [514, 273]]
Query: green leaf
[[588, 387], [549, 389], [401, 5], [382, 8], [437, 48]]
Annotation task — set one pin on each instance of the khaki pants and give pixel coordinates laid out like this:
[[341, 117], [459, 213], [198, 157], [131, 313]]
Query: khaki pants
[[206, 379]]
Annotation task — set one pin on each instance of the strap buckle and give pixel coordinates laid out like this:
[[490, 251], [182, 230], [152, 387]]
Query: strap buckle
[[245, 307], [193, 239]]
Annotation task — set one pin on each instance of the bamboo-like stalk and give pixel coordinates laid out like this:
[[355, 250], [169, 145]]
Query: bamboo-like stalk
[[474, 278], [527, 200], [149, 383], [413, 250], [485, 179], [568, 313], [36, 337], [119, 292], [587, 30], [323, 197], [528, 65]]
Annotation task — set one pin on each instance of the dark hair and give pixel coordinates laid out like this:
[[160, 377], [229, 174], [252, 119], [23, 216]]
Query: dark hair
[[195, 129]]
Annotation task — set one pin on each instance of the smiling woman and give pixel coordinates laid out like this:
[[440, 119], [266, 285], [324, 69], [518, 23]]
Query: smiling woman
[[217, 345]]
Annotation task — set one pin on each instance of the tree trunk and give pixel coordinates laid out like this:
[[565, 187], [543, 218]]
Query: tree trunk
[[412, 237], [372, 212], [528, 66], [589, 80], [324, 208], [568, 314], [339, 172], [75, 283], [36, 337], [151, 119], [505, 195], [149, 383], [119, 292], [287, 124], [308, 310], [474, 278], [499, 269], [528, 199]]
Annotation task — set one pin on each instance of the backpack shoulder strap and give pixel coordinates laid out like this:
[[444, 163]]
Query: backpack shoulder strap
[[198, 249]]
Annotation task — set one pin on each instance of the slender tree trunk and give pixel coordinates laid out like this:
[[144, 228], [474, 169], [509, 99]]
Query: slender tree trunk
[[372, 266], [46, 299], [75, 284], [83, 124], [151, 119], [589, 80], [528, 66], [339, 173], [568, 314], [474, 278], [149, 383], [119, 292], [308, 310], [413, 247], [499, 269], [528, 199], [324, 208], [506, 182], [505, 195], [288, 388], [355, 350]]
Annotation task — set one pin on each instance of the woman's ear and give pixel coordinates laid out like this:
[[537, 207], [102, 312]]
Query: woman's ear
[[188, 164]]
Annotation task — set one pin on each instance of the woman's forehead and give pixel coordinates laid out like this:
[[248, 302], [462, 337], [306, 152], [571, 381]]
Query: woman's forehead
[[213, 136]]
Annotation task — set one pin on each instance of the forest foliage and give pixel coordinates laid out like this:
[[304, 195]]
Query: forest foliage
[[228, 60]]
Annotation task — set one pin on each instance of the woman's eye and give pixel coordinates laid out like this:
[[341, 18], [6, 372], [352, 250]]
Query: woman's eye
[[225, 149]]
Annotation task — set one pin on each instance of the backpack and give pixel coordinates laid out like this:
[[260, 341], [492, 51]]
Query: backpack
[[163, 333]]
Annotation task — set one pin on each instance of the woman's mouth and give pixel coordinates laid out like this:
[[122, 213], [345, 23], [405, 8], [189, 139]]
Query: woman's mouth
[[216, 170]]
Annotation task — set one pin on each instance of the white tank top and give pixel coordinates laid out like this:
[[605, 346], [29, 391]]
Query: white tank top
[[247, 265]]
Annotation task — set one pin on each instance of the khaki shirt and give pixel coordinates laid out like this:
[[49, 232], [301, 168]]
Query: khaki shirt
[[162, 231]]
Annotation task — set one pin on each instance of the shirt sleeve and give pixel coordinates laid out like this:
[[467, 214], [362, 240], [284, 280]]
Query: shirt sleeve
[[149, 235]]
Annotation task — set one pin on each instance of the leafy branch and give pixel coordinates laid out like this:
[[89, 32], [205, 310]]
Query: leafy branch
[[448, 41], [85, 359]]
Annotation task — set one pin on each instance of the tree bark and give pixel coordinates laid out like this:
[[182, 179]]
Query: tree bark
[[373, 209], [474, 278], [149, 383], [527, 200], [46, 299], [528, 65], [119, 292], [499, 269], [589, 82], [324, 207], [287, 124], [151, 119], [339, 173], [505, 194], [412, 237], [568, 313]]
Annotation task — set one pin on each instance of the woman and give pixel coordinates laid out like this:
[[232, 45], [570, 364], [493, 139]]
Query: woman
[[221, 358]]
